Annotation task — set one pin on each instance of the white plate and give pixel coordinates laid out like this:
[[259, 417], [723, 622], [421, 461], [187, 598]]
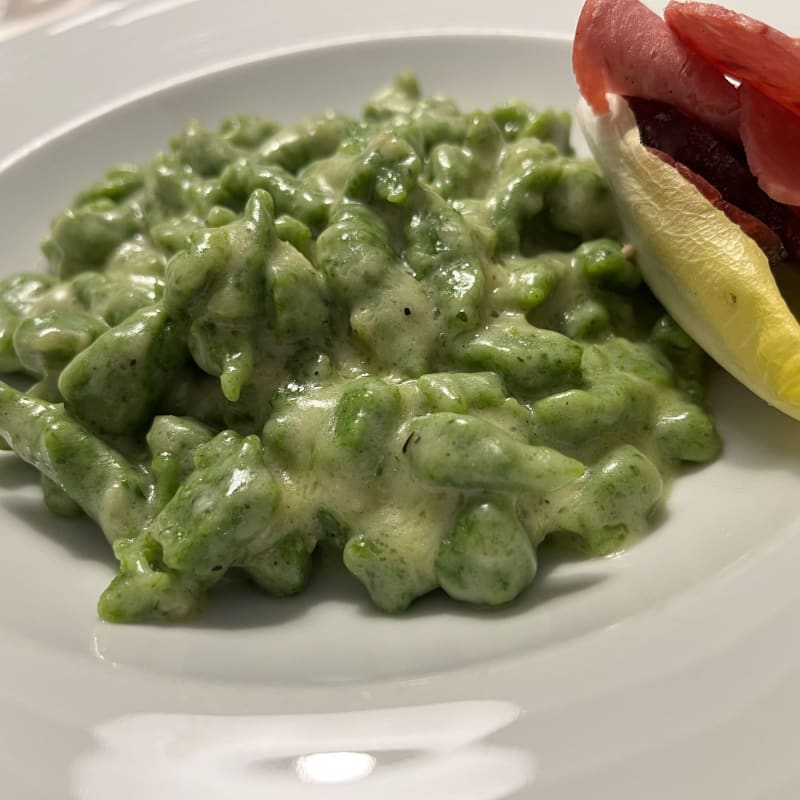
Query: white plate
[[667, 672]]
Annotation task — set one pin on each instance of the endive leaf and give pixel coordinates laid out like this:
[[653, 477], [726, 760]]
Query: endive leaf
[[711, 277]]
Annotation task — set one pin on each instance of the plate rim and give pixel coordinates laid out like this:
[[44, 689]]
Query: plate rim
[[732, 584]]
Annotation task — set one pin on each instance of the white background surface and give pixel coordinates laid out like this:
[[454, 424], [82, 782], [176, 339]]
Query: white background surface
[[697, 698], [116, 37]]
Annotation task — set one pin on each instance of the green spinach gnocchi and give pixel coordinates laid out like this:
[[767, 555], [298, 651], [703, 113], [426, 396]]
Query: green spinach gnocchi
[[413, 339]]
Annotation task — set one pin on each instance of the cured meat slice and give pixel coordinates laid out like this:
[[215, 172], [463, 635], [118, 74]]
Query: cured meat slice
[[721, 163], [771, 138], [741, 47], [790, 233], [623, 47], [691, 143], [702, 156], [764, 236]]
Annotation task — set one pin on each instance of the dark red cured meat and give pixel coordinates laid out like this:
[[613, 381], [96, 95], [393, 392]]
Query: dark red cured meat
[[718, 163], [771, 138], [623, 47], [688, 141], [722, 163], [741, 47], [762, 234], [791, 231]]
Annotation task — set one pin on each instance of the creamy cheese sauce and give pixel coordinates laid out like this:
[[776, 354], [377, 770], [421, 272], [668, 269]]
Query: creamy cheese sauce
[[413, 338]]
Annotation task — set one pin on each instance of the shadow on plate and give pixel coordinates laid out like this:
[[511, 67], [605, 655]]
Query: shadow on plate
[[754, 436], [80, 537], [237, 605], [15, 473]]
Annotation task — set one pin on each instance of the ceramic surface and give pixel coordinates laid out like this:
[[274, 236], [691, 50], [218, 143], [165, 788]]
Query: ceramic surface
[[670, 671]]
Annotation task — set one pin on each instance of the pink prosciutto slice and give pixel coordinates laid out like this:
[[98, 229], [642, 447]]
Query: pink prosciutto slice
[[741, 47], [771, 138], [623, 47]]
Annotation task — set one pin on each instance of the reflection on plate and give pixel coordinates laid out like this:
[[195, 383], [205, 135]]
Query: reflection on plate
[[593, 654], [394, 753]]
